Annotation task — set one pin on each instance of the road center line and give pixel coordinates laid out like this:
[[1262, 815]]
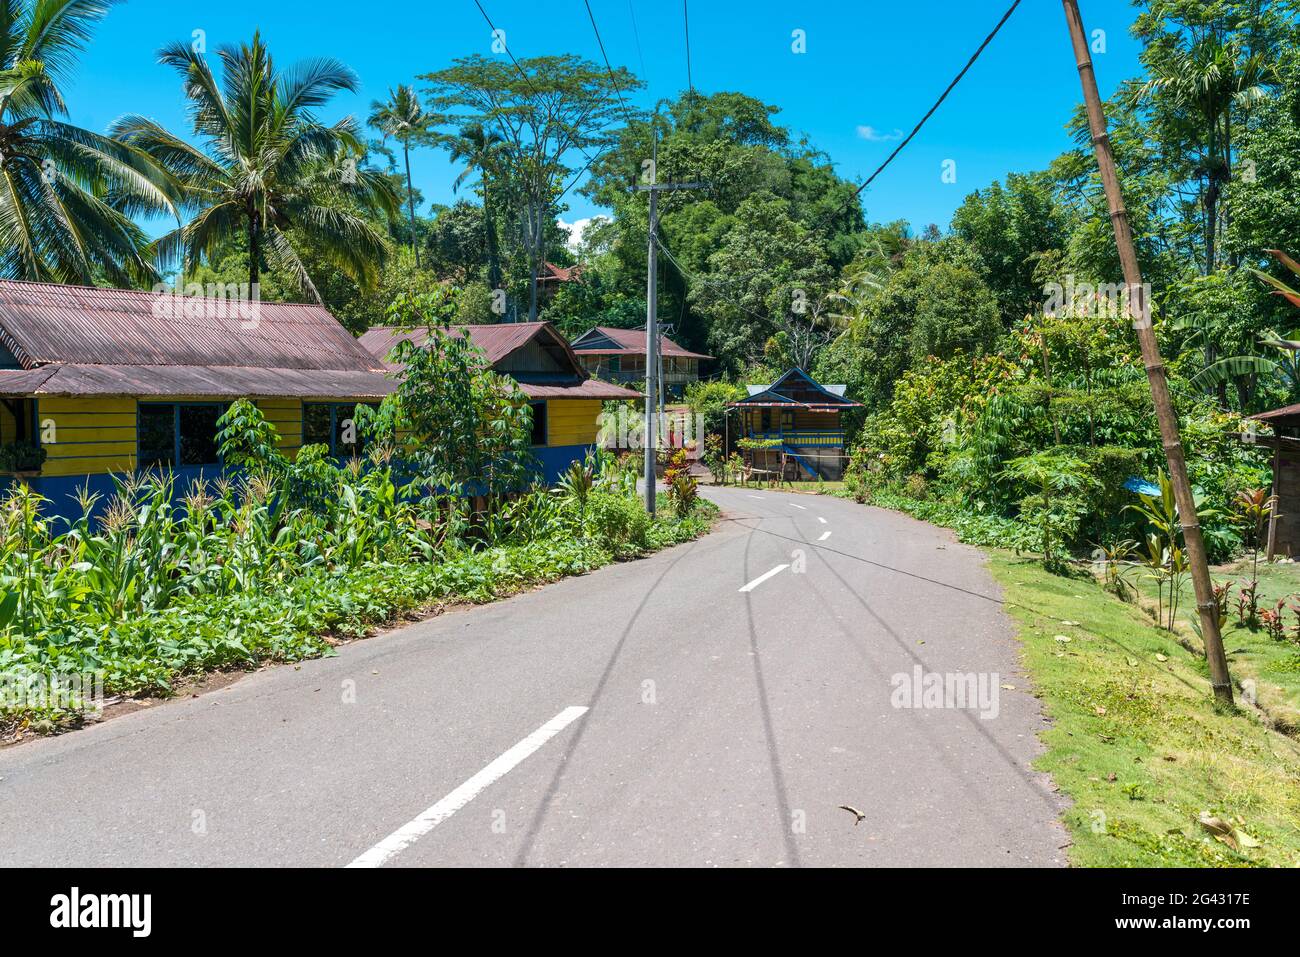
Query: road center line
[[759, 497], [825, 535], [764, 577], [820, 519], [408, 834], [802, 508]]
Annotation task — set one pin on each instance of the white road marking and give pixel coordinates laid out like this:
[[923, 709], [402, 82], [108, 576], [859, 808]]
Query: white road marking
[[825, 535], [408, 834], [820, 519], [764, 577], [759, 497], [802, 508]]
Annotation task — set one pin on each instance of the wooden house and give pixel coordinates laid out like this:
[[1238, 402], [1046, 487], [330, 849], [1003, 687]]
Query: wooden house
[[803, 417], [618, 355], [1284, 447], [108, 381], [566, 401]]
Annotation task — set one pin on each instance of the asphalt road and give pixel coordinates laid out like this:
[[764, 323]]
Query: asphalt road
[[722, 726]]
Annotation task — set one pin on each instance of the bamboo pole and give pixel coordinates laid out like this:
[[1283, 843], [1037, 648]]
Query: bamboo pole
[[1155, 369]]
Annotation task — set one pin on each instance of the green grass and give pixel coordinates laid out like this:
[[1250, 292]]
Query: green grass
[[1137, 741], [1272, 667]]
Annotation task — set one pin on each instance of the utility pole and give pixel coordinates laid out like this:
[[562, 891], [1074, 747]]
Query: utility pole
[[652, 381], [1141, 316], [651, 342]]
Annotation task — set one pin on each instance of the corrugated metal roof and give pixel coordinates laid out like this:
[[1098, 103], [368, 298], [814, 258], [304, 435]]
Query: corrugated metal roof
[[203, 381], [632, 342], [500, 340], [590, 389], [497, 340], [1275, 415], [19, 382], [46, 323]]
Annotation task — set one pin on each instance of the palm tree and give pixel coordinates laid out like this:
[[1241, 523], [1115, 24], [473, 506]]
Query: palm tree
[[404, 118], [1204, 80], [268, 170], [480, 149], [66, 195]]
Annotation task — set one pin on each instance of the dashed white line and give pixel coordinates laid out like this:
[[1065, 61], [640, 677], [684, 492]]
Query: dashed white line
[[764, 577], [820, 519], [759, 497], [825, 535], [802, 508], [408, 834]]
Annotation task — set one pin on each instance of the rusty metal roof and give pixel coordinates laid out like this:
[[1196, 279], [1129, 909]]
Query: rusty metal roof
[[45, 323], [1281, 416], [497, 340], [629, 342], [590, 389], [195, 381], [500, 340]]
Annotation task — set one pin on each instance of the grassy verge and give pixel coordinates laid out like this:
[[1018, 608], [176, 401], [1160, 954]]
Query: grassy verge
[[1268, 668], [305, 616], [1137, 741]]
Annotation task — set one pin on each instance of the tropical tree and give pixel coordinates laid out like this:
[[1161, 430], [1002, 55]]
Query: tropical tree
[[482, 151], [66, 195], [1208, 64], [268, 172], [1282, 361], [403, 118], [544, 109]]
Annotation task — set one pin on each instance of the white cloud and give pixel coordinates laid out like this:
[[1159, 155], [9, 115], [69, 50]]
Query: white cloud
[[873, 135], [577, 228]]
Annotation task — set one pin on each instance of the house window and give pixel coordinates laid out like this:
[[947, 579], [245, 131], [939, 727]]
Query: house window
[[765, 420], [539, 422], [787, 420], [177, 434], [333, 424], [616, 364]]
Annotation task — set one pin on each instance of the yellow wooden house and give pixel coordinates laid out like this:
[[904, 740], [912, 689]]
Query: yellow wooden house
[[98, 382], [565, 400]]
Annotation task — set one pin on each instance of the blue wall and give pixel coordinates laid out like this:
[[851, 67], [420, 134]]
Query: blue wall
[[62, 490]]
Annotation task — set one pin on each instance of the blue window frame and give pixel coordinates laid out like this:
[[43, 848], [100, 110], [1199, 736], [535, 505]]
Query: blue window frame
[[177, 434]]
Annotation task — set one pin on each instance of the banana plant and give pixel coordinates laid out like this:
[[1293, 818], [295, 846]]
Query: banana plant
[[1281, 359]]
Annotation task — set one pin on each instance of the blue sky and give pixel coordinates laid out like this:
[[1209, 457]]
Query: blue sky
[[876, 65]]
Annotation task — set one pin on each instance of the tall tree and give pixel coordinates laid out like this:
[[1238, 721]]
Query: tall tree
[[544, 110], [1208, 64], [66, 195], [403, 118], [481, 150], [267, 166]]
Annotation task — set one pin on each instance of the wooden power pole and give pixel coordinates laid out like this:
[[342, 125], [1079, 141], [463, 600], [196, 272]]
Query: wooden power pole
[[1139, 310]]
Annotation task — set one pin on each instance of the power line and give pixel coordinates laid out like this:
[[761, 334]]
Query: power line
[[939, 102], [856, 193], [608, 69], [636, 36], [686, 22]]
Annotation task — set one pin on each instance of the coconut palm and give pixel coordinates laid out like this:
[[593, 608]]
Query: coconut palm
[[403, 118], [268, 172], [66, 195], [482, 152]]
